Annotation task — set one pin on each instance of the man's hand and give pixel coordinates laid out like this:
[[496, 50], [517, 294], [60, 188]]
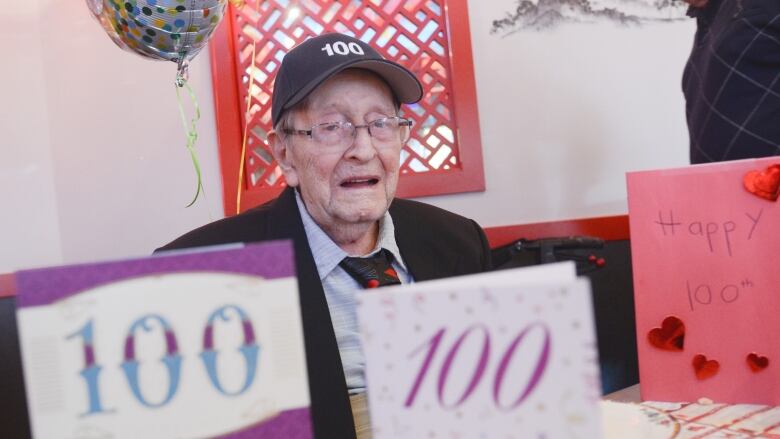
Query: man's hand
[[697, 3]]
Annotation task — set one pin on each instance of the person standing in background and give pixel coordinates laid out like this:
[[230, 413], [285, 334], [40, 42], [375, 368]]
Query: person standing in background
[[732, 80]]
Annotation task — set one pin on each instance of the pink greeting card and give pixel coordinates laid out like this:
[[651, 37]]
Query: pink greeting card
[[705, 244]]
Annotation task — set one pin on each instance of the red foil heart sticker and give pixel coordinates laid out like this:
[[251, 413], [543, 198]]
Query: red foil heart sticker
[[705, 368], [757, 362], [670, 336], [764, 184]]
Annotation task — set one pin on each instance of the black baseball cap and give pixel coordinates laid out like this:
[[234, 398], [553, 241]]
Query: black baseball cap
[[310, 63]]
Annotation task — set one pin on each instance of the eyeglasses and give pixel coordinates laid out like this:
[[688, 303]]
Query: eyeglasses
[[387, 132]]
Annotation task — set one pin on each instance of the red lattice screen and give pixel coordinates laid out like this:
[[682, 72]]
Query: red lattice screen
[[443, 154]]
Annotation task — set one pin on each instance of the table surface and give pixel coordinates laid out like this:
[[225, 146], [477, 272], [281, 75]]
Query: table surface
[[629, 394]]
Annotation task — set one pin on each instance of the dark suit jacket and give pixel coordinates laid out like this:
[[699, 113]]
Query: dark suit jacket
[[433, 243], [732, 81]]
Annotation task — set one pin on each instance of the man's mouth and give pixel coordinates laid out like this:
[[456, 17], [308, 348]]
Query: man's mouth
[[359, 182]]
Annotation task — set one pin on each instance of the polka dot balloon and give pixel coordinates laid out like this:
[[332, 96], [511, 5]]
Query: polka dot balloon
[[171, 30]]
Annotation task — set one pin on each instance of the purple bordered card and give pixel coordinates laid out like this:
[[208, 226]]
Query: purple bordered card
[[203, 343]]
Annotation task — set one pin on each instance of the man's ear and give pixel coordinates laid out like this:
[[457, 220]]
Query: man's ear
[[283, 156]]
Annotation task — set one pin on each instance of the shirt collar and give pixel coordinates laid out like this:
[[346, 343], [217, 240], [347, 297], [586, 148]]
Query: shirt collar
[[327, 254]]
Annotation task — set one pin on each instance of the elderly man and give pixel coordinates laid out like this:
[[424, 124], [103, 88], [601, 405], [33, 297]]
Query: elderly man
[[337, 138]]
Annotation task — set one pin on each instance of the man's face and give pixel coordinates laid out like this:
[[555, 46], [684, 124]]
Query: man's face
[[350, 185]]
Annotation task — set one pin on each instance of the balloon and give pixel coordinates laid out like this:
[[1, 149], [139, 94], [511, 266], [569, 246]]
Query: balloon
[[171, 30]]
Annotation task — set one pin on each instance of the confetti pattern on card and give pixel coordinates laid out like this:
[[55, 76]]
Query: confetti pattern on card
[[481, 359]]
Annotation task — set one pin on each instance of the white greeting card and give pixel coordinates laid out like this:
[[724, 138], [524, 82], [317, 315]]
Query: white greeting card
[[510, 354]]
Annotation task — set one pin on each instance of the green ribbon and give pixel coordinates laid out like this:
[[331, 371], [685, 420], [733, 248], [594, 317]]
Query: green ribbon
[[190, 130]]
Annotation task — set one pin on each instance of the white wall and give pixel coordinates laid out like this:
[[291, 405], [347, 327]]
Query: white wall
[[29, 230], [564, 113], [93, 163], [92, 160]]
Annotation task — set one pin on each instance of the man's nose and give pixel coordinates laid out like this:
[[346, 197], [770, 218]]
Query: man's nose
[[362, 145]]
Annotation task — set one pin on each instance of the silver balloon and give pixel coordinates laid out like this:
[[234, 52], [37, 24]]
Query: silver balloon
[[171, 30]]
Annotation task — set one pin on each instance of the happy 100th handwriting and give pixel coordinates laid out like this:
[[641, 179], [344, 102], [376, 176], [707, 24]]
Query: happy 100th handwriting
[[706, 294], [716, 236]]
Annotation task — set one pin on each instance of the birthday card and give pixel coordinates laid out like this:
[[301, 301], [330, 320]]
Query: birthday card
[[196, 344], [510, 354], [705, 241]]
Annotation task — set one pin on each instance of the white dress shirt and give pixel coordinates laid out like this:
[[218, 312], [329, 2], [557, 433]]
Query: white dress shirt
[[341, 289]]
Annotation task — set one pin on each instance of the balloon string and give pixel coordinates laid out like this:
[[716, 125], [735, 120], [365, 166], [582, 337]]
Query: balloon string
[[190, 130], [246, 119]]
